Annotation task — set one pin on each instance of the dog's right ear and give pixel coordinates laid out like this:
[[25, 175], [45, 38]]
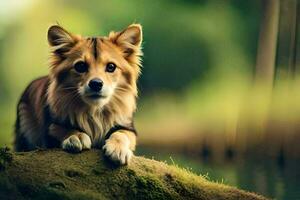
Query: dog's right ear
[[129, 40], [60, 39]]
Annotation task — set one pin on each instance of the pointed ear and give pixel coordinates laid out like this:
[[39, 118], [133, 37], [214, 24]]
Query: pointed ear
[[60, 39], [129, 40]]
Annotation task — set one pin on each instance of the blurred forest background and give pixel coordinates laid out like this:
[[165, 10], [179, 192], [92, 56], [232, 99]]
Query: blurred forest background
[[220, 89]]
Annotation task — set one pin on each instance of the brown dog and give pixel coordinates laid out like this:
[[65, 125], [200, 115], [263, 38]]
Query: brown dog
[[88, 98]]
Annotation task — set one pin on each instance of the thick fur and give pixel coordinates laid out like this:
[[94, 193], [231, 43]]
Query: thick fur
[[55, 111]]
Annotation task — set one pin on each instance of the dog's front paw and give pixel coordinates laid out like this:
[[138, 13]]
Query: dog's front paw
[[117, 149], [77, 142]]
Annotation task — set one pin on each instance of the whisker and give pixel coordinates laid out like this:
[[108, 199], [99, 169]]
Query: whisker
[[118, 98], [73, 98], [121, 89], [68, 88]]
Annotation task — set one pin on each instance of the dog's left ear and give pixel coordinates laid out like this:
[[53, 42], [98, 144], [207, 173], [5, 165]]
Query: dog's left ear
[[129, 40], [60, 40]]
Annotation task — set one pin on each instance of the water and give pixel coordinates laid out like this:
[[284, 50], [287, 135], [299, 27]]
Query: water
[[263, 177]]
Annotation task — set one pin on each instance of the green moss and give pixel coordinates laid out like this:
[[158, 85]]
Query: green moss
[[57, 185], [58, 175], [155, 186], [5, 158], [73, 173], [181, 188]]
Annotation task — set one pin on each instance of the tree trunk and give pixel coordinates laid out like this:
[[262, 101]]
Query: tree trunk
[[266, 53]]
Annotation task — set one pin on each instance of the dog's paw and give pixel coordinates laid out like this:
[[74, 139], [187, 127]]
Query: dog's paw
[[117, 149], [77, 142], [85, 140]]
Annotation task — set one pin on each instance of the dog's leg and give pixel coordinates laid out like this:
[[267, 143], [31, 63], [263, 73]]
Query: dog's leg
[[119, 146], [71, 140]]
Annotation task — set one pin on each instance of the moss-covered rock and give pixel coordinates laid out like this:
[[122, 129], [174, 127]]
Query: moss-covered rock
[[54, 174], [5, 158]]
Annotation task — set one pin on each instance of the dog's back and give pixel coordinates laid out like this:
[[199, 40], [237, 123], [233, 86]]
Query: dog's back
[[30, 124]]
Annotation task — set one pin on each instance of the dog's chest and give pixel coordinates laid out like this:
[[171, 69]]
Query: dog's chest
[[96, 126]]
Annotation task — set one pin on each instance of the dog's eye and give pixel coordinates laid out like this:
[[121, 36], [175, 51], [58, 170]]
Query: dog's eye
[[110, 67], [81, 67]]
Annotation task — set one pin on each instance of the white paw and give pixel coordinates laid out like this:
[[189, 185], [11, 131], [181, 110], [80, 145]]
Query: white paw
[[85, 140], [117, 149], [77, 142]]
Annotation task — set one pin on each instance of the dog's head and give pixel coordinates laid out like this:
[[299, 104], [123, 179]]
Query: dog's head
[[95, 69]]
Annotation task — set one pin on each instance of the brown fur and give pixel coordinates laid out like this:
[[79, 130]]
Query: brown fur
[[54, 111]]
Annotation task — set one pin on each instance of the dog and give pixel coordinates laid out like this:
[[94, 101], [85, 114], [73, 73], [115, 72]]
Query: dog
[[89, 97]]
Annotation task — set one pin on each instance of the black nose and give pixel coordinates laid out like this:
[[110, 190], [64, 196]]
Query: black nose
[[96, 84]]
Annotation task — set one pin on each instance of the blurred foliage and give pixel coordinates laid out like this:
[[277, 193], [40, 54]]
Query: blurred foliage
[[188, 44]]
